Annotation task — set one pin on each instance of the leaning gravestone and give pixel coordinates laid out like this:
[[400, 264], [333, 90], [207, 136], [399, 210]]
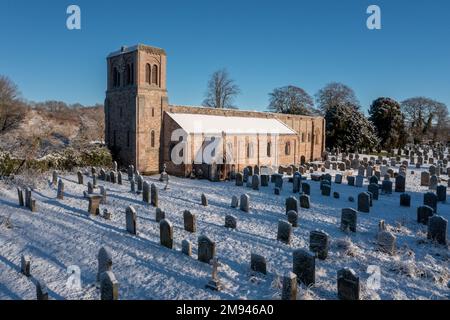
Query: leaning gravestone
[[130, 218], [206, 249], [319, 243], [437, 229], [244, 203], [190, 221], [284, 231], [258, 263], [166, 233], [347, 284], [304, 266], [109, 286], [349, 219], [104, 258]]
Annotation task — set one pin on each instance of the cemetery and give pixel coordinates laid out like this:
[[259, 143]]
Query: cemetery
[[347, 227]]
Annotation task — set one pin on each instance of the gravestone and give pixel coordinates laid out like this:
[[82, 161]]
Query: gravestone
[[119, 178], [386, 187], [373, 188], [405, 200], [20, 196], [140, 183], [112, 177], [351, 180], [159, 215], [146, 192], [230, 222], [166, 233], [292, 217], [359, 181], [106, 214], [306, 188], [291, 204], [90, 188], [94, 181], [400, 182], [204, 200], [234, 202], [255, 182], [304, 266], [25, 265], [386, 241], [154, 197], [239, 179], [245, 202], [104, 259], [130, 219], [186, 247], [284, 231], [60, 194], [41, 290], [423, 214], [349, 219], [363, 202], [441, 192], [430, 199], [304, 201], [373, 180], [347, 284], [258, 263], [94, 204], [319, 243], [264, 180], [437, 229], [54, 177], [425, 179], [80, 177], [326, 190], [103, 194], [109, 286], [276, 191], [296, 183], [289, 289], [190, 221], [206, 249], [433, 182], [338, 178]]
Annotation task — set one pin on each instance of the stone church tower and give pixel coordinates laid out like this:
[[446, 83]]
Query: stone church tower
[[136, 99]]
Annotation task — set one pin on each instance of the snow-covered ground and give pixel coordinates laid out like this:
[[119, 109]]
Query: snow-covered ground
[[61, 234]]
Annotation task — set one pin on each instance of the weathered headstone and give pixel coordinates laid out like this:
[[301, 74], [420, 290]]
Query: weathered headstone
[[319, 243], [154, 195], [441, 192], [234, 202], [363, 202], [104, 259], [130, 219], [206, 249], [291, 203], [292, 217], [437, 229], [347, 284], [80, 177], [306, 188], [289, 291], [166, 233], [304, 201], [400, 182], [25, 265], [41, 290], [245, 203], [304, 266], [284, 231], [349, 219], [204, 200], [230, 222], [190, 221], [94, 204], [159, 215], [20, 195], [386, 241], [423, 214], [60, 194], [258, 263], [109, 286], [146, 192], [405, 200], [255, 182], [386, 187], [430, 199]]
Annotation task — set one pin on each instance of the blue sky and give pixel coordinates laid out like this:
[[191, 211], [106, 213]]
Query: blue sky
[[263, 44]]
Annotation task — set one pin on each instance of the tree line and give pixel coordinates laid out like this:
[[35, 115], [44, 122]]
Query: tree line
[[390, 124]]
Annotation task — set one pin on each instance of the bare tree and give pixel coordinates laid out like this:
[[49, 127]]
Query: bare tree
[[221, 91], [335, 94], [12, 109], [291, 100]]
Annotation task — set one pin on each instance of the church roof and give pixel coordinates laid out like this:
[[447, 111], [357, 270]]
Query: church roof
[[213, 124]]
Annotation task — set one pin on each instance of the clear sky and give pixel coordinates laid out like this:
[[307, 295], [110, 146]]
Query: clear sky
[[263, 44]]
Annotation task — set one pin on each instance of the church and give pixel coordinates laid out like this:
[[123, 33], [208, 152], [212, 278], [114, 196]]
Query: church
[[142, 129]]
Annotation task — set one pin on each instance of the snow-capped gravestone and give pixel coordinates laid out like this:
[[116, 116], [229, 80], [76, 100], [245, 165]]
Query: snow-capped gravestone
[[25, 265], [245, 203], [291, 204], [423, 214], [258, 263], [304, 266], [338, 178], [349, 218], [186, 247], [94, 204], [289, 287], [80, 177], [54, 177], [60, 192], [234, 202], [166, 233], [405, 200], [20, 196], [204, 200], [159, 215], [306, 188], [41, 290], [154, 195], [441, 193], [146, 192], [292, 217], [130, 219], [190, 221], [319, 243], [437, 229], [347, 284], [430, 199], [230, 222], [373, 188], [255, 182], [284, 231], [206, 249], [104, 259], [304, 201], [239, 179], [386, 241], [363, 202], [109, 286]]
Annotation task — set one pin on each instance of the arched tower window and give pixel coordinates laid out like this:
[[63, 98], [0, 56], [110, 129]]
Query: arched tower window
[[116, 78], [148, 73], [155, 74], [152, 139]]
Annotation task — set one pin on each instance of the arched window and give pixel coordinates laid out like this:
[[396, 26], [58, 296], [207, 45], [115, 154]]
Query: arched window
[[303, 137], [269, 149], [148, 73], [155, 74], [287, 148], [116, 78], [152, 139], [153, 112]]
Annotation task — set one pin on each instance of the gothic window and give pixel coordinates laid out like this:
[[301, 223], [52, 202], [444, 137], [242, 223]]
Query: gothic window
[[153, 112], [155, 74], [116, 78], [152, 139], [287, 148], [269, 149], [148, 73], [303, 137]]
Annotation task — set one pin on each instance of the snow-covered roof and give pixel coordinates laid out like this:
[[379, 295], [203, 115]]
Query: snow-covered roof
[[213, 124]]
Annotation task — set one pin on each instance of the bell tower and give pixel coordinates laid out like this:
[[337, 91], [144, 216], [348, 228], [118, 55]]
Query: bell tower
[[136, 99]]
